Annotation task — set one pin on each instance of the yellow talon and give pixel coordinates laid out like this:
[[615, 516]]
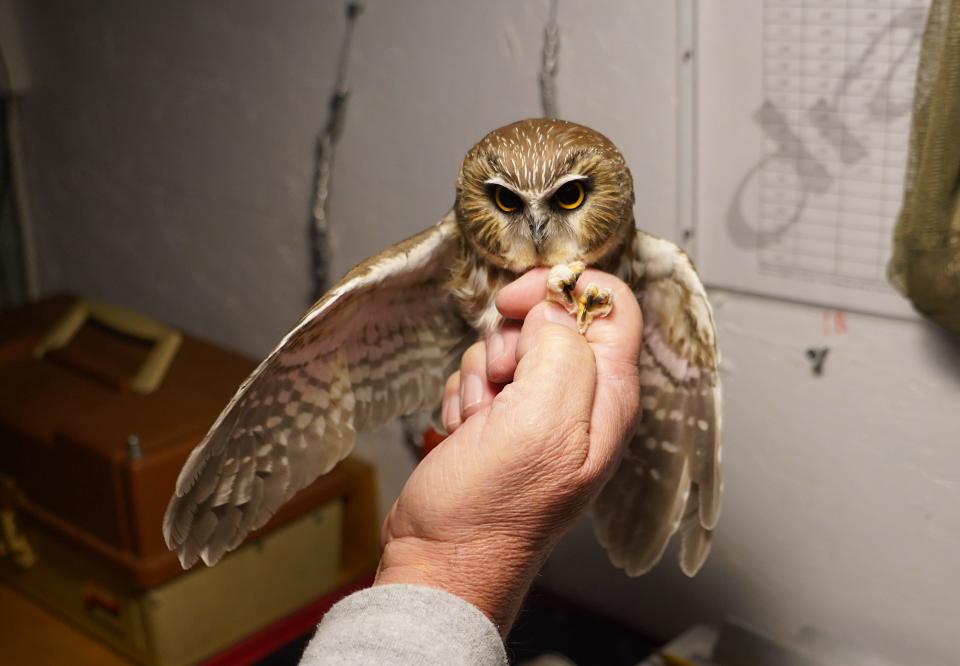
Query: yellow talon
[[561, 282], [595, 302]]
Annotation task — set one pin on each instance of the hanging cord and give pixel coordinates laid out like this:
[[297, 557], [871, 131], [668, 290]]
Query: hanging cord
[[10, 271], [15, 194], [21, 202], [326, 146], [548, 63]]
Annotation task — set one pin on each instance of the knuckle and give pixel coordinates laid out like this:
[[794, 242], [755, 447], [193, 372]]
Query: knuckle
[[565, 447], [572, 457]]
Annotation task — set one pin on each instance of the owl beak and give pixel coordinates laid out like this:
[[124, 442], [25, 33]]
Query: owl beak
[[538, 229]]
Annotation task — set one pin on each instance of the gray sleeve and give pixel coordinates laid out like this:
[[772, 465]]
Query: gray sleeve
[[398, 625]]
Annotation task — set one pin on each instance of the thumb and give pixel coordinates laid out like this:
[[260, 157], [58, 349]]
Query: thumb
[[612, 380], [552, 393]]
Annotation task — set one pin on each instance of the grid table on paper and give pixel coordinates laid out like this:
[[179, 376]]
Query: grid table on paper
[[838, 78]]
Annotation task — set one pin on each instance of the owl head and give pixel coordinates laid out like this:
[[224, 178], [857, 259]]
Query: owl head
[[540, 192]]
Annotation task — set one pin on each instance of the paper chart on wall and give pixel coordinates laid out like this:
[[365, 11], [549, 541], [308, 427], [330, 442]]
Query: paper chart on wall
[[802, 129]]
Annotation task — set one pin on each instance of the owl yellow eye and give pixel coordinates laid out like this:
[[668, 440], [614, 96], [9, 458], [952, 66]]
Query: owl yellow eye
[[570, 196], [506, 200]]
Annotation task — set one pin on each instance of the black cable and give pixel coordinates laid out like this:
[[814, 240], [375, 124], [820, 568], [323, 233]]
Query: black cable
[[8, 289]]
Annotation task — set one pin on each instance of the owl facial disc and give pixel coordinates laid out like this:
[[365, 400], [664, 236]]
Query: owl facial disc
[[542, 192]]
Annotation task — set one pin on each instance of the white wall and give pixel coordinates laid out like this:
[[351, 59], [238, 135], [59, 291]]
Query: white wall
[[171, 148], [842, 492]]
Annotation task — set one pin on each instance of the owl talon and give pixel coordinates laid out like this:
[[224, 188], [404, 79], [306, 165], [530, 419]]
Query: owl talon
[[593, 304], [561, 282]]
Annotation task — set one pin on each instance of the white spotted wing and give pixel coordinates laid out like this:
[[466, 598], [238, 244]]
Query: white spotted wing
[[378, 345], [669, 479]]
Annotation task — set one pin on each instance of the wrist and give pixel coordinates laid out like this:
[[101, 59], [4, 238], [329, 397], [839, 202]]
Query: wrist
[[493, 573]]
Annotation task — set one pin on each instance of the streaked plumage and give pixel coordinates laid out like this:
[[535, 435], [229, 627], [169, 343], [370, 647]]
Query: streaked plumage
[[383, 340]]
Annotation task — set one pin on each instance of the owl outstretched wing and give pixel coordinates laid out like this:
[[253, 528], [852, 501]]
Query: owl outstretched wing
[[378, 345], [669, 479]]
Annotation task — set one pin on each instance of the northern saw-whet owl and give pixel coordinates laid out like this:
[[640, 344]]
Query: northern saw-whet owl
[[382, 342]]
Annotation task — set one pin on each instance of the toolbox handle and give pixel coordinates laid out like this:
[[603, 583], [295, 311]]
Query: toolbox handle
[[166, 340]]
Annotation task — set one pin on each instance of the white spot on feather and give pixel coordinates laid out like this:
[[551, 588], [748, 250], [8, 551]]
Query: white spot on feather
[[348, 401]]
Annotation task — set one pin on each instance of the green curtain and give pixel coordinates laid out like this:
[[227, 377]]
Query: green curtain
[[925, 265]]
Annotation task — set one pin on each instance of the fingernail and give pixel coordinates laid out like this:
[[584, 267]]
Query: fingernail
[[495, 346], [445, 412], [555, 315], [451, 415], [472, 390]]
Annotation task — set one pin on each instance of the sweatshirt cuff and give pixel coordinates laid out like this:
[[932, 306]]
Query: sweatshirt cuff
[[397, 625]]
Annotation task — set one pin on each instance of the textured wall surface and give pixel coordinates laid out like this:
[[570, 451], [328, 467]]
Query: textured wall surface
[[171, 154], [173, 141]]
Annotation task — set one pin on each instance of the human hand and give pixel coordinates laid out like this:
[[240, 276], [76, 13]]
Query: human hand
[[538, 416]]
